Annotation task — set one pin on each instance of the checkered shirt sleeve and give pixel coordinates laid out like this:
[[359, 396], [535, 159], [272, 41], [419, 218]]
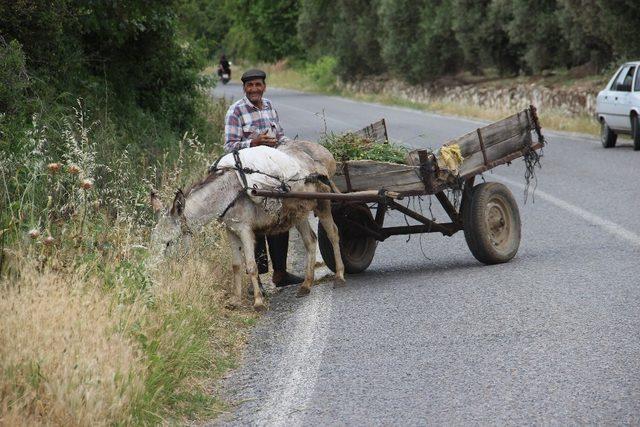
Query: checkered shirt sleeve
[[233, 133]]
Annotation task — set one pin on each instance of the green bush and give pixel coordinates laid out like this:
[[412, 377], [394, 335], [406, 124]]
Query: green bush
[[323, 71], [14, 80]]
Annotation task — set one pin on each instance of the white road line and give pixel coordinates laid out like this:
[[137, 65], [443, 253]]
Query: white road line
[[608, 226], [296, 381]]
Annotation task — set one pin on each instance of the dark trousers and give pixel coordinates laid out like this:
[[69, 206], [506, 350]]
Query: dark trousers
[[278, 248]]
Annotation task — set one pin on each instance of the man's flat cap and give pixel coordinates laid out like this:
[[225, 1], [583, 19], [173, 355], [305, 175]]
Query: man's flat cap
[[253, 74]]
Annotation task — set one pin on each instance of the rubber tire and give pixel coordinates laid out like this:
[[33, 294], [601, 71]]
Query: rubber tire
[[635, 132], [357, 251], [477, 231], [608, 137]]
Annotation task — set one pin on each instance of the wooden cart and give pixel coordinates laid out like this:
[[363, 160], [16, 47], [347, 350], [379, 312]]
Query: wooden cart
[[487, 213]]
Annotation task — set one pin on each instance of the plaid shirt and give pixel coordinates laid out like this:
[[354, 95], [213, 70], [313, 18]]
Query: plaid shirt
[[245, 121]]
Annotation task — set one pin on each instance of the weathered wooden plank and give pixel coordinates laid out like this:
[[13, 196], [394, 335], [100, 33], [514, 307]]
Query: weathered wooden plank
[[373, 175], [496, 152], [376, 132], [495, 133]]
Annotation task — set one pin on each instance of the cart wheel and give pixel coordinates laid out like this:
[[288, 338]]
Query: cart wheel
[[492, 223], [357, 249]]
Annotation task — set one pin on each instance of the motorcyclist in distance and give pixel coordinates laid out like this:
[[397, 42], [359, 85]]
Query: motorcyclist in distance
[[224, 69]]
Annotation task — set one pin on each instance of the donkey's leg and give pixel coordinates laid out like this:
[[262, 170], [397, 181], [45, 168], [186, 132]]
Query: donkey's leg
[[309, 238], [326, 219], [236, 265], [248, 239]]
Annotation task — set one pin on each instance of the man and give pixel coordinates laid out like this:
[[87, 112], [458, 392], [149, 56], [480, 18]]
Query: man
[[251, 122]]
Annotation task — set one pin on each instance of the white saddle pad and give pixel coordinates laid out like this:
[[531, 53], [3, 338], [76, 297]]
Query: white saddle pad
[[275, 166]]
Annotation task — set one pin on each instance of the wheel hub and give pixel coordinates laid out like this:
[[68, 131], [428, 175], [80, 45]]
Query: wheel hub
[[498, 222]]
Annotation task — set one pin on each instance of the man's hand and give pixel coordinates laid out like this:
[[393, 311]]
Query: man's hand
[[264, 139]]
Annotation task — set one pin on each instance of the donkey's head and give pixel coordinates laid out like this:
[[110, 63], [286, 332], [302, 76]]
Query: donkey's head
[[171, 234]]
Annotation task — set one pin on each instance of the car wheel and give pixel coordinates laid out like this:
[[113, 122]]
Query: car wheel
[[607, 136], [635, 131]]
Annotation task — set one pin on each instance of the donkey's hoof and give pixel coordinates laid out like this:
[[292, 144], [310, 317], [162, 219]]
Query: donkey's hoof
[[259, 306], [232, 304], [339, 283], [303, 291]]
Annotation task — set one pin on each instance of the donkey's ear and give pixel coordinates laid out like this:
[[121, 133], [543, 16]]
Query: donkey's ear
[[156, 203], [178, 204]]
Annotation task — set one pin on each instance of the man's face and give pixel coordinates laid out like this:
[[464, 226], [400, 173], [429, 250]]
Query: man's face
[[254, 90]]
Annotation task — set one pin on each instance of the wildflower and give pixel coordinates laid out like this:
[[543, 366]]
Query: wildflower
[[54, 167], [86, 184], [73, 169], [48, 240], [34, 233]]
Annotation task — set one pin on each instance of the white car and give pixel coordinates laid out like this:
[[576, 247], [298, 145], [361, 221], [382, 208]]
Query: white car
[[618, 106]]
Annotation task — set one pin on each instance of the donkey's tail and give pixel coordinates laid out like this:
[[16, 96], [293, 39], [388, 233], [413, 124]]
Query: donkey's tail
[[323, 179], [333, 186]]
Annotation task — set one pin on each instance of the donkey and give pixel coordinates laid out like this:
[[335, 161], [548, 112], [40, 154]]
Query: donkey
[[221, 196]]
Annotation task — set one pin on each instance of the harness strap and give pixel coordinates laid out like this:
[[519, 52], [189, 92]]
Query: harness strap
[[241, 171], [233, 202], [214, 166]]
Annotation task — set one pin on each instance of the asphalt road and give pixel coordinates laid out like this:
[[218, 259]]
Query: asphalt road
[[428, 335]]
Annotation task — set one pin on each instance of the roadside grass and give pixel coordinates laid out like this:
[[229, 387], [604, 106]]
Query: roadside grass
[[96, 329], [284, 75]]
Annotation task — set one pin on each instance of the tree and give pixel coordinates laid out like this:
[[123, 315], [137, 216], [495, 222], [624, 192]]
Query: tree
[[504, 53], [583, 28], [436, 52], [472, 33], [356, 43], [205, 21], [535, 25], [621, 19], [263, 30], [316, 26], [130, 49], [400, 33]]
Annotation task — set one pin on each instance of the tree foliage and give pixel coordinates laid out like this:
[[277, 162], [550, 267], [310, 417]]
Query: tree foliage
[[400, 34], [315, 27], [129, 49], [423, 39], [263, 30]]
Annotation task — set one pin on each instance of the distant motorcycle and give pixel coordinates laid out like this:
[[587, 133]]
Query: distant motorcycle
[[224, 74]]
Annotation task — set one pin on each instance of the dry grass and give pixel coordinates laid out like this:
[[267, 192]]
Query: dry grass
[[550, 119], [65, 358], [122, 340], [95, 330]]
